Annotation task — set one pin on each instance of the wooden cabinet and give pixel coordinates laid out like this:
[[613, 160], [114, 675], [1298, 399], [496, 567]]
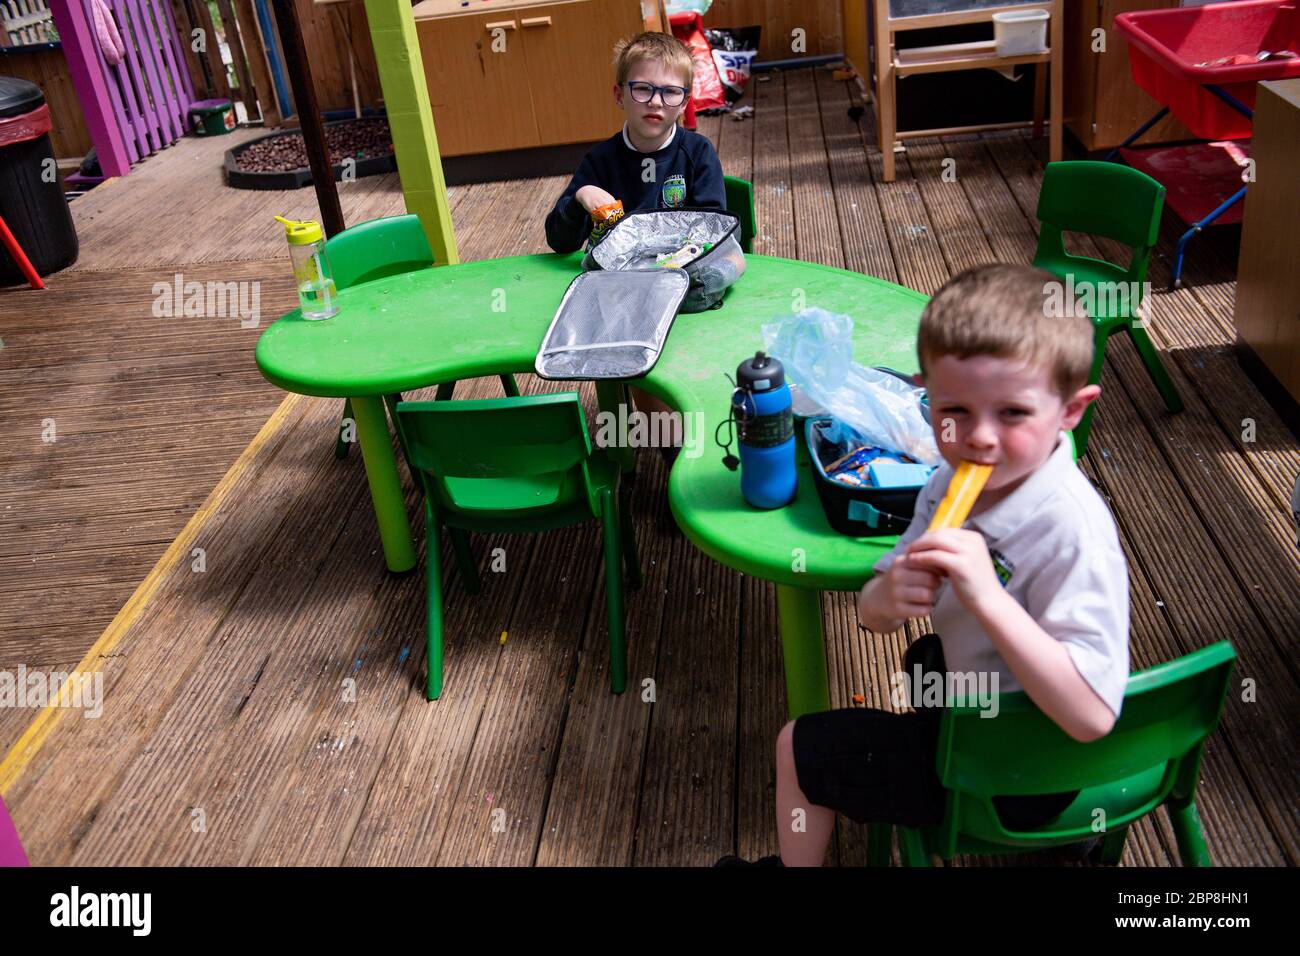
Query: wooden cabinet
[[1103, 105], [524, 74], [1267, 311]]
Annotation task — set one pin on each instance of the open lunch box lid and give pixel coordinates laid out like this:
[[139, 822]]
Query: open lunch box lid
[[636, 242], [611, 325]]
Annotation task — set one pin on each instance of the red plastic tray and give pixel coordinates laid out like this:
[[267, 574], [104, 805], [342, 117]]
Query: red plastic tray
[[1165, 47]]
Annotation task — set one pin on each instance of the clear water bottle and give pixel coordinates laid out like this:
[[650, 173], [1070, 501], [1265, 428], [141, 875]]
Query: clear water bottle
[[311, 269]]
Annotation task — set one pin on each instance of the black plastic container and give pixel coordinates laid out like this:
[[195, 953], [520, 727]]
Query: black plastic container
[[34, 209], [859, 512]]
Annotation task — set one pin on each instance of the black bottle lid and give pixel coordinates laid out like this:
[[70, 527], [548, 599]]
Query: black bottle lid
[[762, 373]]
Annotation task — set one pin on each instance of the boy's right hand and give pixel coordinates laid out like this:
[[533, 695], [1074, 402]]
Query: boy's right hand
[[909, 591], [593, 197]]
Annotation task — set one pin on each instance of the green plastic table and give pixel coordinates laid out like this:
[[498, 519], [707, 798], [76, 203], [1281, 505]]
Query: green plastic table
[[489, 317]]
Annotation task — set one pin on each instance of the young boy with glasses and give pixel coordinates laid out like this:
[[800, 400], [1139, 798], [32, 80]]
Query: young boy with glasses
[[650, 163]]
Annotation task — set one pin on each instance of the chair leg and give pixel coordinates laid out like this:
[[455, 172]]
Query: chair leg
[[465, 560], [631, 563], [614, 593], [1186, 822], [911, 848], [879, 844], [1155, 368], [1112, 846], [342, 444], [1082, 430], [508, 383], [445, 392], [433, 555]]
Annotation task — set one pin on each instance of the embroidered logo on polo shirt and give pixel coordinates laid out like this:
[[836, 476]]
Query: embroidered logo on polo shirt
[[1002, 566], [674, 191]]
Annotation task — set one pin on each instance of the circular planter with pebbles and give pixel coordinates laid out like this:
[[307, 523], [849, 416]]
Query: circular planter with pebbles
[[279, 160]]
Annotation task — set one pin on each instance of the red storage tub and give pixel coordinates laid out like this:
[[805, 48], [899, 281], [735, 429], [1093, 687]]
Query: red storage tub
[[1168, 47]]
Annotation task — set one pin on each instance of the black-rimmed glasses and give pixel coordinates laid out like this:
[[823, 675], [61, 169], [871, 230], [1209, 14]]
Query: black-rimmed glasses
[[644, 92]]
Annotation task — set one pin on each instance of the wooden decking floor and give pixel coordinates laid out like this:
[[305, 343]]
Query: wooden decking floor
[[269, 709]]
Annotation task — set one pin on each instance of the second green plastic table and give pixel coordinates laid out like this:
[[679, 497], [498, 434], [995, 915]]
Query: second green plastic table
[[489, 317]]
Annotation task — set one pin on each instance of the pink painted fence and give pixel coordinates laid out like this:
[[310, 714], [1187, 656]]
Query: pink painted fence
[[138, 105]]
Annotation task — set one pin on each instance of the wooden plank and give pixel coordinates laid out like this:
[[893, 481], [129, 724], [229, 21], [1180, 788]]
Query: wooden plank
[[251, 35], [686, 814], [762, 712], [862, 230], [53, 812], [816, 224], [917, 257], [230, 24], [604, 736], [212, 51], [773, 199]]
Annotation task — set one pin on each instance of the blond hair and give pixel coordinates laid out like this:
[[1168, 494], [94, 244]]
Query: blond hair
[[1003, 310], [653, 48]]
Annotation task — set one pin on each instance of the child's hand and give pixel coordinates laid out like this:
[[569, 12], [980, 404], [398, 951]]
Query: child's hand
[[592, 197], [909, 590], [962, 556]]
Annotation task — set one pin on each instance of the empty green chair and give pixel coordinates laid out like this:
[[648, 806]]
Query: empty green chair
[[1151, 758], [1118, 203], [740, 202], [375, 250], [520, 464]]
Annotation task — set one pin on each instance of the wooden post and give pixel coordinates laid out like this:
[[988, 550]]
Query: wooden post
[[415, 142], [298, 67], [212, 51], [194, 62], [252, 38], [247, 91], [91, 86]]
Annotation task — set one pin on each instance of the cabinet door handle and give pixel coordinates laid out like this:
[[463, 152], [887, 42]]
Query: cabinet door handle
[[536, 22], [500, 25]]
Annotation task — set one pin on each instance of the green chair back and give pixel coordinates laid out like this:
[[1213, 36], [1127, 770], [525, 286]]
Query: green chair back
[[1102, 199], [1151, 755], [740, 202], [378, 249], [499, 455], [515, 465]]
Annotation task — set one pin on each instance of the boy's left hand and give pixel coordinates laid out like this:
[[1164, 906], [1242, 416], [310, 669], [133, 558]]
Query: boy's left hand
[[962, 556]]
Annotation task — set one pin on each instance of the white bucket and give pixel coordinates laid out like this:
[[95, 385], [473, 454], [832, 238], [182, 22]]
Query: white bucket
[[1020, 32]]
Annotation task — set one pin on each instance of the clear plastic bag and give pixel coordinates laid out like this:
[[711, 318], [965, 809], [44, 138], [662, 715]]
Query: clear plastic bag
[[879, 407]]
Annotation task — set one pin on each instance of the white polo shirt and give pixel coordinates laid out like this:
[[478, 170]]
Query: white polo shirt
[[1056, 549]]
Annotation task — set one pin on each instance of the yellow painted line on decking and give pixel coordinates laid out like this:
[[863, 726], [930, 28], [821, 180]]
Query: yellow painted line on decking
[[35, 735]]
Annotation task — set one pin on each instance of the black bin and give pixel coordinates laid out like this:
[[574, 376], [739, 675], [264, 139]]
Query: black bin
[[35, 210]]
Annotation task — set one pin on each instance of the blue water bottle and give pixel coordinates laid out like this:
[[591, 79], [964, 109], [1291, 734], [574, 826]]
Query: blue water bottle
[[765, 432]]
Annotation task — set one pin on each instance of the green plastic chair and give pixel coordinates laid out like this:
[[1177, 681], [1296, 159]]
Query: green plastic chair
[[1151, 758], [520, 464], [740, 202], [1119, 203], [375, 250]]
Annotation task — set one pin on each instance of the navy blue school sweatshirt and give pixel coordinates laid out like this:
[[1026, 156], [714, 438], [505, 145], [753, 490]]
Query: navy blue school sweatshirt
[[686, 173]]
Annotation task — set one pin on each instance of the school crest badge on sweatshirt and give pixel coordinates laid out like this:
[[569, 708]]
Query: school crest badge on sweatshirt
[[674, 191]]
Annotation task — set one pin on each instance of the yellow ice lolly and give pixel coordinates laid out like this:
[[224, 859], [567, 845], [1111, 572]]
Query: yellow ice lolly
[[965, 486]]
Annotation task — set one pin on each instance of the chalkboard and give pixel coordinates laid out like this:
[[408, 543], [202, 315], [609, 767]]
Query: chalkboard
[[921, 8]]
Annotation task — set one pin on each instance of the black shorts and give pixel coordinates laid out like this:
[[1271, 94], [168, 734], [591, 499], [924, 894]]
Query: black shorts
[[879, 767]]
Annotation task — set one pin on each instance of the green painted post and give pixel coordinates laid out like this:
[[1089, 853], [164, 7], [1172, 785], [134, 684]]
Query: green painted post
[[415, 142], [803, 644]]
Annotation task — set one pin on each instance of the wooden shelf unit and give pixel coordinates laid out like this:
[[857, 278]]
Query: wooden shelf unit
[[892, 64]]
